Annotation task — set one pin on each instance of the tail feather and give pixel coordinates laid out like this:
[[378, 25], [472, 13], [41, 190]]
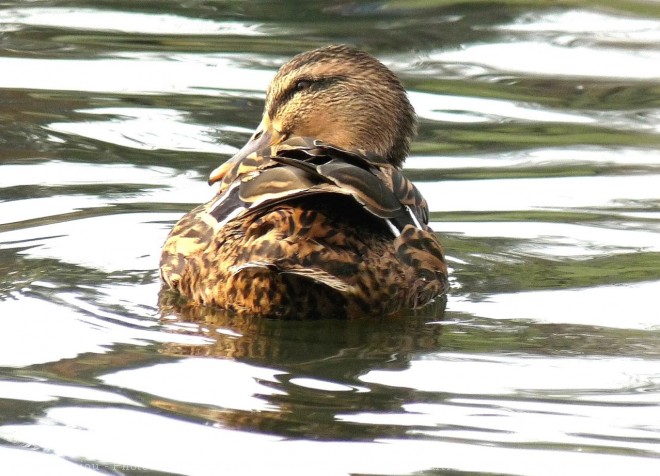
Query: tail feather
[[312, 274]]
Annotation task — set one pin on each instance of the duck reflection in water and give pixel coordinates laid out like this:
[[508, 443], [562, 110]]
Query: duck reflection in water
[[276, 342], [313, 217], [337, 351]]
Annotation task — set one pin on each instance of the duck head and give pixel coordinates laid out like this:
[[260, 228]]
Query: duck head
[[340, 95]]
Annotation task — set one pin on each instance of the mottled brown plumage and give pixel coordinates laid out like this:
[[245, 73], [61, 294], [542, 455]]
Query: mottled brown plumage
[[313, 217]]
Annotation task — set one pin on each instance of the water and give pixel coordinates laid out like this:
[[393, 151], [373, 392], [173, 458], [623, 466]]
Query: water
[[539, 153]]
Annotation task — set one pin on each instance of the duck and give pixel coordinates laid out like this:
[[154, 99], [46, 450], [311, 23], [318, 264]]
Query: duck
[[313, 217]]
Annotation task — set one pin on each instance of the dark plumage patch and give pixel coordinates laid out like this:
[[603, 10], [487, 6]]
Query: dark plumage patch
[[229, 202]]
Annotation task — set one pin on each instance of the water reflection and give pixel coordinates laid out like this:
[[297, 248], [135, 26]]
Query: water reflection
[[604, 28], [142, 75], [126, 22], [148, 129], [314, 346], [540, 58]]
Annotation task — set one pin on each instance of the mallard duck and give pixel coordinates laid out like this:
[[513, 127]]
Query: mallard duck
[[313, 217]]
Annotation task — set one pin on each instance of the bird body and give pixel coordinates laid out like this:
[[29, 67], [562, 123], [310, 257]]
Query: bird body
[[313, 217]]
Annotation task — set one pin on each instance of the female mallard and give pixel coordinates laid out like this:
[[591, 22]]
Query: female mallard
[[313, 217]]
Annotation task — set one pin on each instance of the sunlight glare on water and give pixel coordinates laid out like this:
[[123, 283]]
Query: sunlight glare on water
[[141, 75], [127, 22]]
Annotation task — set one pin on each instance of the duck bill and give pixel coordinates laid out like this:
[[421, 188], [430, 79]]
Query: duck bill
[[265, 136]]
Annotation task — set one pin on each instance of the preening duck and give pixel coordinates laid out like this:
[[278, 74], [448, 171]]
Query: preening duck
[[313, 217]]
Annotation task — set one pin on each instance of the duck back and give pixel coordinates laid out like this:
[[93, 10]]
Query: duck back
[[307, 230]]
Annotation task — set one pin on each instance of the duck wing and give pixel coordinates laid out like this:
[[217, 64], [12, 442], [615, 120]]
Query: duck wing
[[303, 167]]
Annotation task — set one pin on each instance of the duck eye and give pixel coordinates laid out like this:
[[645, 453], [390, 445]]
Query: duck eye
[[302, 84]]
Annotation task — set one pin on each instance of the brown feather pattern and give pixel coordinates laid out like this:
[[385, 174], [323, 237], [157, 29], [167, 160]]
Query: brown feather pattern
[[312, 247], [310, 225]]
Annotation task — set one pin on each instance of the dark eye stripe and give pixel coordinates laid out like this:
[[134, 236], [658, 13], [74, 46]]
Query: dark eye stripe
[[301, 84]]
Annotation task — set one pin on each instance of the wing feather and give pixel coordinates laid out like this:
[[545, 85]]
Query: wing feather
[[301, 166]]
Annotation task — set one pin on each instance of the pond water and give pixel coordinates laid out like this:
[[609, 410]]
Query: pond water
[[539, 154]]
